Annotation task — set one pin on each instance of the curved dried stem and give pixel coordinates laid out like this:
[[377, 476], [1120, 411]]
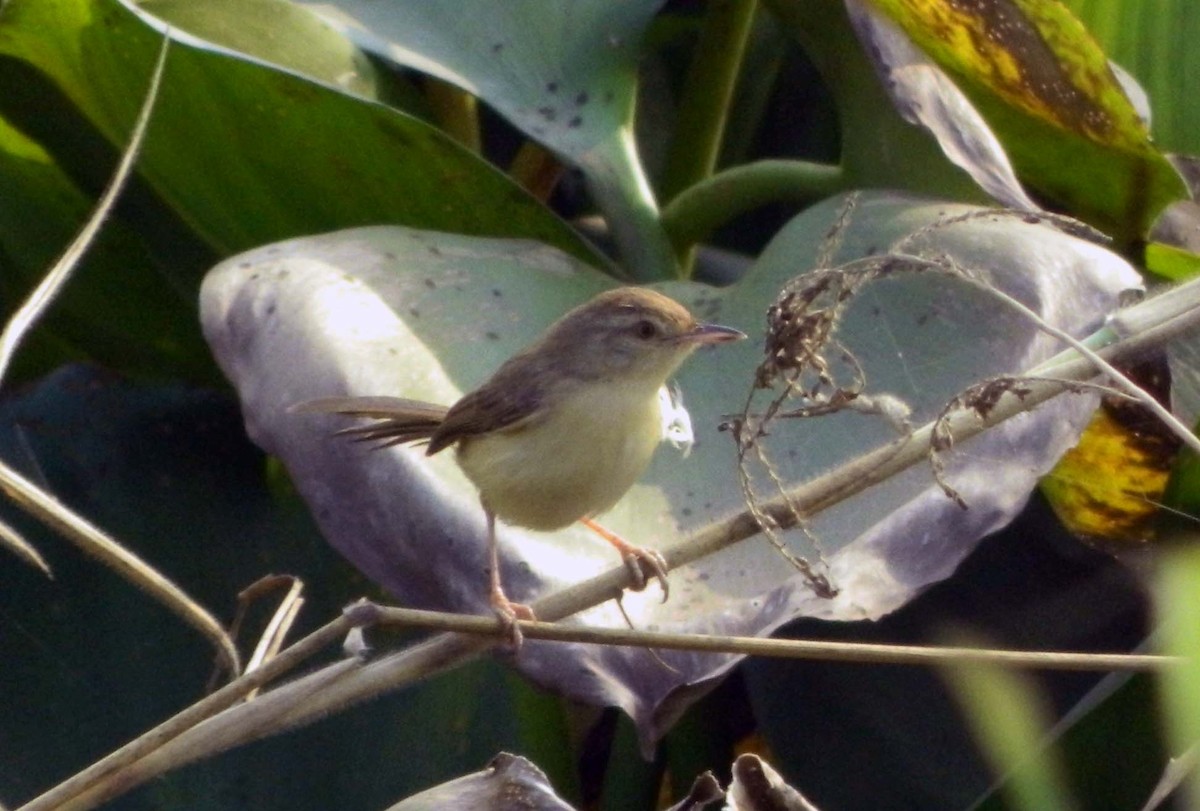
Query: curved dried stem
[[45, 507]]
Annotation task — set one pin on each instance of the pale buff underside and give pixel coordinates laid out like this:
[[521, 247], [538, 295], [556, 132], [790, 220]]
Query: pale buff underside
[[536, 476]]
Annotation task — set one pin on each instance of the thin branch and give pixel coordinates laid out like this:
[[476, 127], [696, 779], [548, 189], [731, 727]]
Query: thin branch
[[42, 505], [104, 779], [14, 542], [34, 307], [780, 648], [299, 702], [1117, 378]]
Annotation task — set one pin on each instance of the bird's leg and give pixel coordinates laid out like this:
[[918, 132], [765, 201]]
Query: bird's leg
[[641, 561], [508, 611]]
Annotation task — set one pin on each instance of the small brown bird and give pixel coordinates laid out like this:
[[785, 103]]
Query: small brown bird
[[563, 428]]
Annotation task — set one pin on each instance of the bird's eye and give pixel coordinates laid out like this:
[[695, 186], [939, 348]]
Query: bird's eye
[[645, 329]]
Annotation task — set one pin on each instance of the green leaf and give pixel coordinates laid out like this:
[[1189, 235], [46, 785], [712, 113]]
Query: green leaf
[[277, 31], [120, 309], [1156, 42], [1171, 262], [1178, 585], [244, 153], [564, 73], [1009, 720], [879, 149], [239, 153], [1044, 85], [1115, 724]]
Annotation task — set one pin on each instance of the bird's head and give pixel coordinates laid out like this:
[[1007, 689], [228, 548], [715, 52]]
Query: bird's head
[[633, 334]]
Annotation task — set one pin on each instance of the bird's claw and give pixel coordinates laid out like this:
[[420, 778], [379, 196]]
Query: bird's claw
[[641, 561], [644, 563], [509, 613]]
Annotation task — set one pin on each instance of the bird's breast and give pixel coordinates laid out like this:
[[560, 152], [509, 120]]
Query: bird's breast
[[575, 462]]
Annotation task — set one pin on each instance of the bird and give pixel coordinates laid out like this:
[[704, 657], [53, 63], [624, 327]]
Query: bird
[[562, 429]]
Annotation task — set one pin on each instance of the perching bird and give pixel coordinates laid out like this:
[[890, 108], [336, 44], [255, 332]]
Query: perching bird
[[563, 428]]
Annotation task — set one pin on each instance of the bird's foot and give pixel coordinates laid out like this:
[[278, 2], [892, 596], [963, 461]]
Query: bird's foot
[[642, 562], [509, 613]]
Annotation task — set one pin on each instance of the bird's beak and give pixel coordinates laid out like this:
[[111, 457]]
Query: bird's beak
[[713, 334]]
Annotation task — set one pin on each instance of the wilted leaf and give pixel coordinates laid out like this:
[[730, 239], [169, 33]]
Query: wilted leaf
[[1156, 43], [428, 316], [1047, 91], [1111, 484], [925, 95]]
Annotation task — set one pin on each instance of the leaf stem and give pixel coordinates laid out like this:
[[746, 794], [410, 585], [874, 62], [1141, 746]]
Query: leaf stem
[[707, 93], [695, 213], [621, 191], [456, 112], [536, 169]]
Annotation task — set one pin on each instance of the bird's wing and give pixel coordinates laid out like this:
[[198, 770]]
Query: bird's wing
[[488, 409], [396, 420]]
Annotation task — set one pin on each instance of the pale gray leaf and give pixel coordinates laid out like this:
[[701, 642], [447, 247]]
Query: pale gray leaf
[[1183, 357], [509, 783], [399, 312], [758, 787]]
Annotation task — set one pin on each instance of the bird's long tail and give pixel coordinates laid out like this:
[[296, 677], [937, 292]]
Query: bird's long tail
[[396, 421]]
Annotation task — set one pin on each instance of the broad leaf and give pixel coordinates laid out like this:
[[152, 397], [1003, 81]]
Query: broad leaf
[[565, 74], [89, 662], [245, 153], [925, 95], [276, 31], [1046, 89], [1156, 43], [429, 316]]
